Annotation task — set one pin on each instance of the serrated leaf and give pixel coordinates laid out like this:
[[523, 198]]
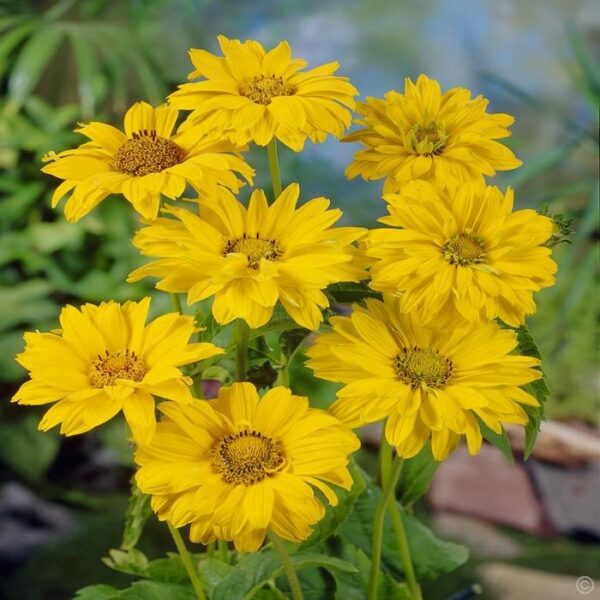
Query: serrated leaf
[[499, 440], [138, 512], [132, 561], [346, 293], [97, 592], [156, 590], [212, 571], [417, 473], [30, 64]]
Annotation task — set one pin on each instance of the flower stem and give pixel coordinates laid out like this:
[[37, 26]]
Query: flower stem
[[274, 168], [223, 551], [176, 303], [241, 356], [388, 494], [186, 559], [287, 564], [385, 464]]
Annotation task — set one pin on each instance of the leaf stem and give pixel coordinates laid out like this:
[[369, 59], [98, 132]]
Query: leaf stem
[[287, 564], [177, 303], [388, 494], [241, 353], [186, 559], [274, 168]]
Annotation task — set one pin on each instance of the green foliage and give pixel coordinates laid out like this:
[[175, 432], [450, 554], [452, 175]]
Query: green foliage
[[417, 473], [138, 512], [563, 226]]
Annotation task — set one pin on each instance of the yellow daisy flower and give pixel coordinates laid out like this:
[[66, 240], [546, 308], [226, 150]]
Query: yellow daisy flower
[[238, 466], [104, 360], [144, 162], [427, 382], [462, 251], [254, 95], [429, 135], [249, 259]]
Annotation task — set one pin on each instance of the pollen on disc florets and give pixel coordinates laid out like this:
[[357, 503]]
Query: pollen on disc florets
[[426, 140], [110, 366], [465, 249], [255, 248], [263, 88], [147, 153], [423, 367], [246, 457]]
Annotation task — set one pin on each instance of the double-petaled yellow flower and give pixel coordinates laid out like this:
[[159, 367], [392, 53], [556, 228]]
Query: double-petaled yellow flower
[[254, 95], [104, 360], [427, 382], [239, 466], [426, 134], [249, 259], [461, 251], [142, 163]]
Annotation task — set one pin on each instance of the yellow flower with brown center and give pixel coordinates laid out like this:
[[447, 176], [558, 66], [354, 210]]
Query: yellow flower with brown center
[[250, 94], [461, 250], [429, 383], [142, 163], [249, 259], [104, 360], [426, 134], [239, 466]]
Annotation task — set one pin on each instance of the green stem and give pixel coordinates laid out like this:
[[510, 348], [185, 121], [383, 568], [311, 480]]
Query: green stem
[[287, 564], [241, 356], [385, 458], [405, 557], [388, 494], [177, 303], [223, 551], [274, 168], [210, 550], [186, 559]]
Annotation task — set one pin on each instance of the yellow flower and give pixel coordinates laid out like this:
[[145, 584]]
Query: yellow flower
[[251, 94], [104, 360], [462, 250], [142, 163], [248, 259], [238, 466], [427, 382], [429, 135]]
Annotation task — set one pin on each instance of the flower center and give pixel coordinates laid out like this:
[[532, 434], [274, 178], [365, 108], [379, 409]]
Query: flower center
[[465, 249], [255, 249], [147, 153], [246, 457], [109, 367], [263, 88], [423, 367], [426, 140]]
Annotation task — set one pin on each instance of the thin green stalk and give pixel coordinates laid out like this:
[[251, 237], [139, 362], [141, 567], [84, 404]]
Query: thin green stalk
[[210, 550], [405, 557], [223, 551], [388, 494], [287, 564], [385, 458], [176, 303], [274, 167], [186, 559], [241, 352]]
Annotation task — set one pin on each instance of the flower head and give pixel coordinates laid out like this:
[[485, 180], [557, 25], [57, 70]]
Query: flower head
[[429, 135], [104, 360], [254, 95], [461, 250], [427, 382], [249, 259], [144, 162], [239, 465]]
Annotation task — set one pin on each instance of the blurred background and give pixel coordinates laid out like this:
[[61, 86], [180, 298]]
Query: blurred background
[[62, 501]]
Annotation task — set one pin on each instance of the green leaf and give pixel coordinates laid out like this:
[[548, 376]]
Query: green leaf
[[417, 473], [337, 515], [500, 440], [155, 590], [168, 570], [138, 512], [212, 571], [431, 556], [97, 592], [30, 65], [351, 292], [538, 389], [26, 450], [132, 561]]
